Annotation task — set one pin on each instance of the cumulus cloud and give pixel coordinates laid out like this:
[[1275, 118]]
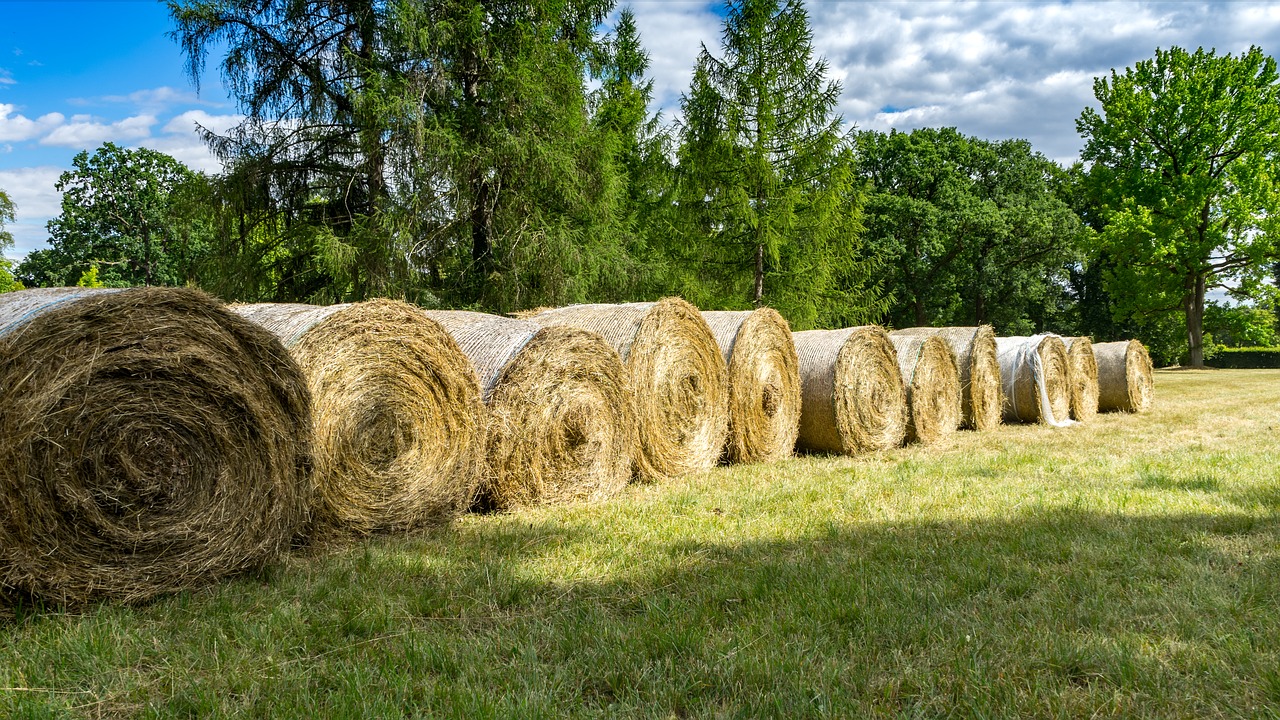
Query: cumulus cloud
[[18, 127], [86, 132], [36, 199]]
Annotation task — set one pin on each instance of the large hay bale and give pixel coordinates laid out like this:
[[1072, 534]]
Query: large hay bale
[[764, 383], [1125, 381], [150, 441], [399, 424], [932, 381], [852, 396], [677, 374], [561, 415], [1036, 380], [980, 387], [1083, 369]]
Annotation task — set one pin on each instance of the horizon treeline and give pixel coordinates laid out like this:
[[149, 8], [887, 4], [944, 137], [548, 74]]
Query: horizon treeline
[[502, 155]]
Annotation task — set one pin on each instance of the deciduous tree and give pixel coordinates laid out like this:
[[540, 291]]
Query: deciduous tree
[[1183, 152]]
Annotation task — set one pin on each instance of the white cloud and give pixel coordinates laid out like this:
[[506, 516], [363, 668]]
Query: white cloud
[[672, 33], [36, 199], [86, 132], [6, 77], [182, 141], [18, 127]]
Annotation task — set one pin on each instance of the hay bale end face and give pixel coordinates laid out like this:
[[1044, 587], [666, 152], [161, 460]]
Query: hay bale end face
[[151, 441], [1125, 379], [1083, 368], [764, 383], [678, 377], [932, 382], [852, 397], [399, 424], [1035, 376], [561, 417], [981, 390]]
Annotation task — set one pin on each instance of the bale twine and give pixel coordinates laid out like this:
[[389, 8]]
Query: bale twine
[[397, 413], [1083, 369], [678, 377], [561, 416], [150, 442], [764, 383], [980, 387], [852, 396], [932, 382], [1035, 377], [1125, 381]]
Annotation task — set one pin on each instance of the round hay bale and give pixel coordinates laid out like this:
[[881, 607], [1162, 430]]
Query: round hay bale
[[764, 383], [150, 442], [981, 391], [399, 424], [1083, 367], [678, 377], [561, 417], [932, 381], [1125, 380], [1036, 381], [852, 397]]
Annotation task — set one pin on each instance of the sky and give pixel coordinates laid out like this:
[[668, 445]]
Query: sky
[[74, 75]]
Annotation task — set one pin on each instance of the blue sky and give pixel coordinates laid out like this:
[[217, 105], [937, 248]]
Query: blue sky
[[76, 74]]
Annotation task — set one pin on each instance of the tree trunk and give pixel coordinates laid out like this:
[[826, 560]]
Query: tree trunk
[[918, 303], [1193, 304], [759, 294], [481, 223]]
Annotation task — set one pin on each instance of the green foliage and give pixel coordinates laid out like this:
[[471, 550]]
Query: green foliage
[[971, 231], [124, 211], [1241, 325], [8, 282], [90, 278], [769, 206], [1183, 160]]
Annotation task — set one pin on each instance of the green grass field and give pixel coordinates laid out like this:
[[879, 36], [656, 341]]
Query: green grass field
[[1128, 567]]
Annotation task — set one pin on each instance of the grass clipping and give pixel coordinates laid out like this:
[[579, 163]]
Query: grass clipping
[[853, 400], [397, 413], [678, 377], [981, 392], [1125, 380], [932, 381], [1036, 379], [561, 417], [764, 383], [1083, 368], [150, 442]]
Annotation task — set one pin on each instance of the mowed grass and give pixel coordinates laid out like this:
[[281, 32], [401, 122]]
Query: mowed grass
[[1128, 567]]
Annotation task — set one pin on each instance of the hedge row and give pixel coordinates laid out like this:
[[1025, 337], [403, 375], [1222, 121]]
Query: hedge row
[[1249, 357]]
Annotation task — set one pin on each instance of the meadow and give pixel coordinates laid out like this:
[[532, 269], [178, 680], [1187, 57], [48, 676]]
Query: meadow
[[1127, 567]]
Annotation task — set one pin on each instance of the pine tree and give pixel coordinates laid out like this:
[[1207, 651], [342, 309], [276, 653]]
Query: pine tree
[[766, 173]]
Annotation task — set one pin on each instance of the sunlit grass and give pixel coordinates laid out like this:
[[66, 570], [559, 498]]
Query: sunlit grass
[[1128, 567]]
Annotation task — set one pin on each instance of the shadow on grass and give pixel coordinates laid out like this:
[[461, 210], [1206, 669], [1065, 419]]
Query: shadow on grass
[[1068, 612]]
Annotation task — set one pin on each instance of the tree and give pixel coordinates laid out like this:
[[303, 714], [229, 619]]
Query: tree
[[766, 173], [1183, 158], [511, 194], [7, 214], [971, 231], [123, 212]]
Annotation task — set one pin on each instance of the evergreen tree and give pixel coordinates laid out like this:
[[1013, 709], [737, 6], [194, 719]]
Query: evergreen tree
[[767, 192]]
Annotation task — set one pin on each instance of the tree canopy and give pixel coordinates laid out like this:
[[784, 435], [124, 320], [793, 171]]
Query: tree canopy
[[7, 214], [127, 213], [1183, 154]]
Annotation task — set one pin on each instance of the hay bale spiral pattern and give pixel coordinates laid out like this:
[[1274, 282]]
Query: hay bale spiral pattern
[[1083, 367], [932, 381], [561, 416], [981, 390], [1023, 398], [677, 374], [764, 383], [398, 420], [852, 396], [150, 442], [1125, 380]]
